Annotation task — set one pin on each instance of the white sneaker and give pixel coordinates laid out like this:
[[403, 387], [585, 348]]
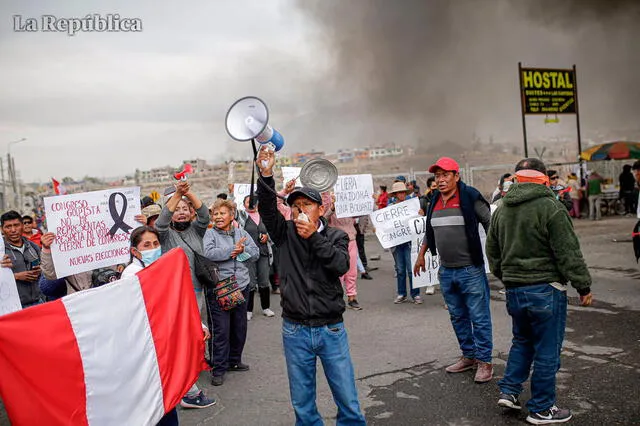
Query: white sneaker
[[430, 290], [268, 313], [249, 316]]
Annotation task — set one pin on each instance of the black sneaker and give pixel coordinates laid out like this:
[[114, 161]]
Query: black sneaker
[[199, 401], [353, 304], [239, 367], [366, 276], [217, 380], [552, 415], [509, 401]]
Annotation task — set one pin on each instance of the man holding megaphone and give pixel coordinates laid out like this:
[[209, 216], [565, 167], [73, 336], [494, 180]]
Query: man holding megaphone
[[312, 257]]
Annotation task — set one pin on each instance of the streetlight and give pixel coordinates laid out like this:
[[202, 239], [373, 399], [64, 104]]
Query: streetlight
[[12, 171]]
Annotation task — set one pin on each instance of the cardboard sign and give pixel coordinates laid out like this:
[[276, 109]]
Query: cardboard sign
[[9, 298], [392, 223], [241, 190], [354, 195], [432, 263], [289, 173], [92, 228]]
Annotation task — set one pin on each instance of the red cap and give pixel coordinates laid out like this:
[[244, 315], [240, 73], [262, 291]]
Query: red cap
[[445, 163]]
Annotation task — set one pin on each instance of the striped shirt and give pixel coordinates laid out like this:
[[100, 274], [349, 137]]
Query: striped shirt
[[449, 230]]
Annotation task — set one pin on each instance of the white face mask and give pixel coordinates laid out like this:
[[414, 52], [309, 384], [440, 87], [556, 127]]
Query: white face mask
[[506, 185]]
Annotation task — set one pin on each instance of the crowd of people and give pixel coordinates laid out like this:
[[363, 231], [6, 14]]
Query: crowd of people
[[291, 245]]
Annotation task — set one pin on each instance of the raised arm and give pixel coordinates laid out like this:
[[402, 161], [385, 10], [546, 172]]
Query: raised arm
[[335, 255], [267, 204]]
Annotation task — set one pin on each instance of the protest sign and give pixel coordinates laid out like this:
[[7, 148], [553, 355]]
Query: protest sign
[[354, 195], [241, 190], [392, 223], [289, 173], [432, 263], [92, 228], [9, 298]]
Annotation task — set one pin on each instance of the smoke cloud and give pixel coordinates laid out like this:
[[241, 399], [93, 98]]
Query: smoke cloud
[[443, 70]]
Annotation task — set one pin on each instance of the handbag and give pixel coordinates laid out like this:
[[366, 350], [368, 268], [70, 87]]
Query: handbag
[[227, 293], [205, 269]]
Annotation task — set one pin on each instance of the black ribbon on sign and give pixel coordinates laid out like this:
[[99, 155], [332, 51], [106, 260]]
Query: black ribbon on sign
[[118, 217]]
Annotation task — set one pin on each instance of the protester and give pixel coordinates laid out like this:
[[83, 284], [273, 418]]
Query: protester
[[627, 186], [575, 194], [346, 224], [362, 226], [250, 221], [313, 256], [176, 229], [383, 198], [425, 200], [145, 249], [560, 191], [402, 257], [594, 195], [505, 184], [500, 190], [31, 231], [151, 214], [452, 232], [231, 248], [25, 259], [533, 249]]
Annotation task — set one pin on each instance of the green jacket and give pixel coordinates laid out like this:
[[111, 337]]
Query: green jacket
[[531, 241]]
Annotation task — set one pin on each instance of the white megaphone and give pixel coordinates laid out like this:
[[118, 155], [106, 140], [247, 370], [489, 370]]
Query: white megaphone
[[248, 119]]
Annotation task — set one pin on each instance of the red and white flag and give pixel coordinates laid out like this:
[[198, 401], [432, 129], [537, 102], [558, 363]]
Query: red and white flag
[[121, 354], [58, 188]]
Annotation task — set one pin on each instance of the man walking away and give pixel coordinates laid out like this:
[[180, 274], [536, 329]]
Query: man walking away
[[533, 249]]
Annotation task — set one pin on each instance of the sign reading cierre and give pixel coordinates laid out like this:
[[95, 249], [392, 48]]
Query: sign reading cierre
[[548, 91]]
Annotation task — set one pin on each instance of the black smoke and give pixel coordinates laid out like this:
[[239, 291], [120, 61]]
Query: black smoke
[[444, 69]]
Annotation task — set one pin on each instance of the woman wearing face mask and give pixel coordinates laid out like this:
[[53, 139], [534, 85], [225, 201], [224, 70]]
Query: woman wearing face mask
[[231, 248], [145, 249]]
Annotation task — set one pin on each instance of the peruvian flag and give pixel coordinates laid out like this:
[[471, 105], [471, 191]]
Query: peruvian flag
[[121, 354], [58, 188]]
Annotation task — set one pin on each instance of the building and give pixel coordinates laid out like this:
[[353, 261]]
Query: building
[[345, 156]]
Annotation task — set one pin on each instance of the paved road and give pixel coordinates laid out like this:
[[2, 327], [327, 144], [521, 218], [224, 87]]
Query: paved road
[[399, 353]]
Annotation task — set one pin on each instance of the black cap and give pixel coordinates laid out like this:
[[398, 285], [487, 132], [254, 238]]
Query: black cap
[[310, 193]]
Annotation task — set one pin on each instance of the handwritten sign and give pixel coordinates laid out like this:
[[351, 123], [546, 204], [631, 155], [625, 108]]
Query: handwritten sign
[[354, 195], [241, 190], [289, 173], [431, 263], [92, 228], [392, 223], [9, 298]]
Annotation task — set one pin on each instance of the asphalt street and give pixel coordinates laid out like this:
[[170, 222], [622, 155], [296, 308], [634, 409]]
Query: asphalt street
[[400, 352]]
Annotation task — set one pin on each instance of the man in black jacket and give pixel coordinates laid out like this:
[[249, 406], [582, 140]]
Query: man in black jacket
[[312, 257]]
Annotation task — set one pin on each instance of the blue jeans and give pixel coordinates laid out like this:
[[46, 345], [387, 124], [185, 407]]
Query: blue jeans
[[539, 315], [402, 260], [302, 346], [466, 293]]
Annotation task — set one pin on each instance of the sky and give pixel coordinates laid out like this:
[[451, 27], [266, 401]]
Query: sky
[[334, 75], [104, 104]]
